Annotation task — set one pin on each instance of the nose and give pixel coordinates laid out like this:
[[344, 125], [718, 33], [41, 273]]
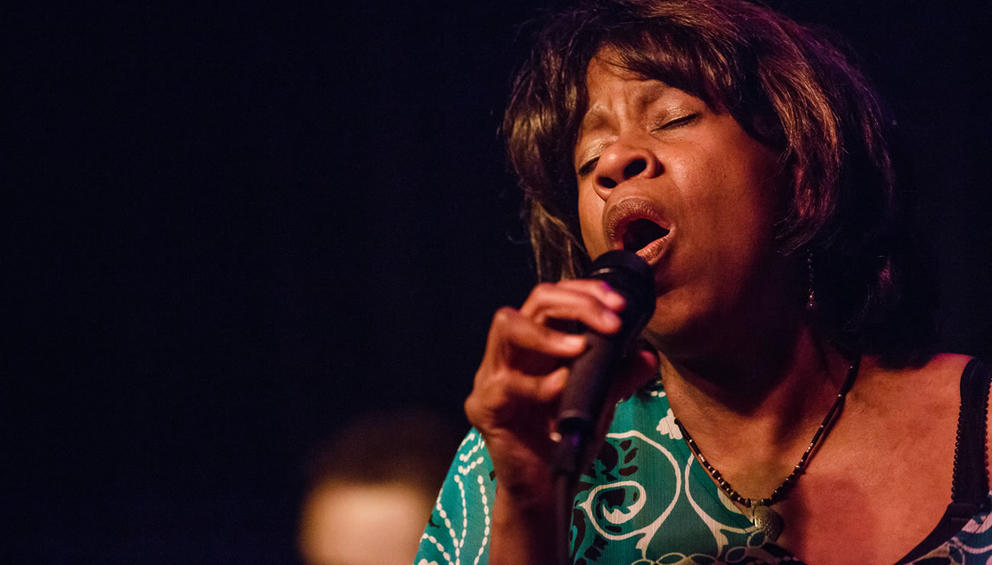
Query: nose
[[623, 161]]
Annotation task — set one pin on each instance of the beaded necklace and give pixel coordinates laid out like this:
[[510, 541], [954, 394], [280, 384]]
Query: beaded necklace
[[766, 519]]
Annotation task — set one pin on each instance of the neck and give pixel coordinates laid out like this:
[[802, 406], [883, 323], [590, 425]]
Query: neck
[[771, 389]]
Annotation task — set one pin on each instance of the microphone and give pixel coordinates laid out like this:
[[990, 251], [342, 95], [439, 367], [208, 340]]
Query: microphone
[[591, 372]]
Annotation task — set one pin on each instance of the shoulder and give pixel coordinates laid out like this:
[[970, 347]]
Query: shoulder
[[931, 390], [945, 365], [459, 524], [471, 470], [937, 380], [940, 368]]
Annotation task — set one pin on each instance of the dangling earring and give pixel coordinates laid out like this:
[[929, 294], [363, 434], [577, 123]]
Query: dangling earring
[[811, 293]]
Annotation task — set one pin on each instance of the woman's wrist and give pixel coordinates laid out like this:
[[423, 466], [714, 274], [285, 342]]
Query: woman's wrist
[[523, 528]]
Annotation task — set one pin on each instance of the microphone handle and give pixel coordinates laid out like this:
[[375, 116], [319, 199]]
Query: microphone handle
[[589, 380]]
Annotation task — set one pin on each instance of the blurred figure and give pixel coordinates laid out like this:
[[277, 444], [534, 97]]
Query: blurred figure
[[372, 486]]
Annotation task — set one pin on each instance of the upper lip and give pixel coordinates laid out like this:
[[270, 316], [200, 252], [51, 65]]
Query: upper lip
[[619, 226]]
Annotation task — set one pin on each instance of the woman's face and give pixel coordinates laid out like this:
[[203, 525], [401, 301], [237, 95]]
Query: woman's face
[[683, 185]]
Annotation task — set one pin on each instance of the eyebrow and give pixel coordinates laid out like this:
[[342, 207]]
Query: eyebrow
[[593, 119], [652, 90]]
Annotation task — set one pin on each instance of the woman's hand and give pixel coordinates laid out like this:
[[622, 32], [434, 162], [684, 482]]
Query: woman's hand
[[514, 403]]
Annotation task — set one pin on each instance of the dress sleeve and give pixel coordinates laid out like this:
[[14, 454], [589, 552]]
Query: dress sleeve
[[458, 530]]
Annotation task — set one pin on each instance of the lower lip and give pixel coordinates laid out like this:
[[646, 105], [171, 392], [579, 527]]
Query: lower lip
[[651, 252]]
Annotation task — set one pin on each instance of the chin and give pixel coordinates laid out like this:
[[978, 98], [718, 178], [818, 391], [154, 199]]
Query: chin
[[672, 327], [684, 326]]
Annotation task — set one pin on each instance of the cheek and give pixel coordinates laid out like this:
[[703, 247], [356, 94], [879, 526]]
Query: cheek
[[740, 202]]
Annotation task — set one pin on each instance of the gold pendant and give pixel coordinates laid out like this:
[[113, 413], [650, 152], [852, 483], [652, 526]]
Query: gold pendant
[[768, 521]]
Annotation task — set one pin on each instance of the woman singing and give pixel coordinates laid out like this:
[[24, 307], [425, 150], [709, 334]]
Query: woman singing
[[787, 405]]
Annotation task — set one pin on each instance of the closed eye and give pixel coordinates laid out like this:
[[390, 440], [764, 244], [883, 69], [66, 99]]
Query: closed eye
[[678, 122], [587, 167]]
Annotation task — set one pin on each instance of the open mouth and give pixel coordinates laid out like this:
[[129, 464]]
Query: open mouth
[[641, 232], [638, 225]]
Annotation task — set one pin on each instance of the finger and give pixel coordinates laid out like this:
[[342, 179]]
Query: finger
[[511, 328], [600, 289], [565, 302], [540, 389]]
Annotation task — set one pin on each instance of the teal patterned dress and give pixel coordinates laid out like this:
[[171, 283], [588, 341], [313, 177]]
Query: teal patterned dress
[[645, 501]]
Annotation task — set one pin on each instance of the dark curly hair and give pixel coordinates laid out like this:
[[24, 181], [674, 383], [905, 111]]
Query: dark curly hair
[[790, 88]]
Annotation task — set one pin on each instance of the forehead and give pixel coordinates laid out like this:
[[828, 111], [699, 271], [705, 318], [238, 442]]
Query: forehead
[[608, 83]]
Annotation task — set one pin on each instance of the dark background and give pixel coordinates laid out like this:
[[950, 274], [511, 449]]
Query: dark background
[[233, 228]]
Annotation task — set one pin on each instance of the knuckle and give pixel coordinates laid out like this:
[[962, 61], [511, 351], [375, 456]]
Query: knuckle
[[542, 289], [471, 407], [503, 316]]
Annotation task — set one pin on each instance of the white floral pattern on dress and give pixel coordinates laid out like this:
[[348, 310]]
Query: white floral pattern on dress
[[668, 427]]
